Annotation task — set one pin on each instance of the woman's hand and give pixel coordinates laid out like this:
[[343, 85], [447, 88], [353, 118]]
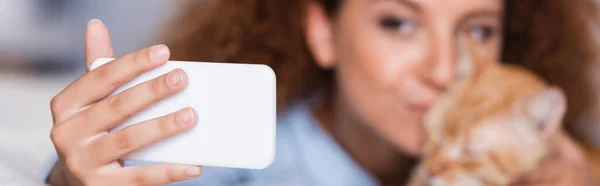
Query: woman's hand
[[568, 168], [82, 114]]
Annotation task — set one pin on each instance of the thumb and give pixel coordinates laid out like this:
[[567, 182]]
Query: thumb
[[97, 42]]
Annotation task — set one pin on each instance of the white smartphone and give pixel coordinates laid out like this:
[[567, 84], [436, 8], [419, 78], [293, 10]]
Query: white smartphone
[[236, 106]]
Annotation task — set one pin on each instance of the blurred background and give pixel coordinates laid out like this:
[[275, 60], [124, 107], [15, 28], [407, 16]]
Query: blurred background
[[41, 52]]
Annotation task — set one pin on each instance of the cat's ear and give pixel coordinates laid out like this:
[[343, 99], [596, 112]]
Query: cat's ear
[[547, 109]]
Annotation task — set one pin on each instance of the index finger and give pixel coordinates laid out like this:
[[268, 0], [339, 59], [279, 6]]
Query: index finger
[[97, 42]]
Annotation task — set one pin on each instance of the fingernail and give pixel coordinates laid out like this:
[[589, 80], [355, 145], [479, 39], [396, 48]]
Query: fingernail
[[192, 171], [185, 116], [174, 78], [159, 53], [94, 21]]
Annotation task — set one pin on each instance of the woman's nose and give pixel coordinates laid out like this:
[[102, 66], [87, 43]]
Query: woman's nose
[[439, 71], [441, 75]]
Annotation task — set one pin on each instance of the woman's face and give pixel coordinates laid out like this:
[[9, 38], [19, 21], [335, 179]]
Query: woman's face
[[393, 58]]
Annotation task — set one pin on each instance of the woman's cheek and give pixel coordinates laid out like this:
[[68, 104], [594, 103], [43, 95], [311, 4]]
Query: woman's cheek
[[372, 71], [374, 76]]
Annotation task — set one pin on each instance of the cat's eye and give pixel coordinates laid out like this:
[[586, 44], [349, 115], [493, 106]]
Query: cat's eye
[[397, 24]]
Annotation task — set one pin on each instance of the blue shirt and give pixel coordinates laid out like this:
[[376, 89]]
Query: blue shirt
[[305, 156]]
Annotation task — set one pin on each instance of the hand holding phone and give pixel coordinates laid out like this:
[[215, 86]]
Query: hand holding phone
[[105, 99], [235, 105]]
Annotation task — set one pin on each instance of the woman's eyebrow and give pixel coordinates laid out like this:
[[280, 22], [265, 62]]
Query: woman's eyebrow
[[484, 13], [487, 13], [407, 3]]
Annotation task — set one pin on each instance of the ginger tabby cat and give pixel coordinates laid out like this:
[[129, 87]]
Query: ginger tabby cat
[[496, 123]]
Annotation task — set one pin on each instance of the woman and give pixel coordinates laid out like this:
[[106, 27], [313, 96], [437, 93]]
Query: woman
[[355, 78]]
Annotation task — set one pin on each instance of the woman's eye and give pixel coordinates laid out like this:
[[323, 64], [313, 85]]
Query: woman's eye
[[481, 33], [396, 24]]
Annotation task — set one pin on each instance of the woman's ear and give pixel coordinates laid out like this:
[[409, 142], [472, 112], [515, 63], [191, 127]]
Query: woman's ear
[[319, 35]]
